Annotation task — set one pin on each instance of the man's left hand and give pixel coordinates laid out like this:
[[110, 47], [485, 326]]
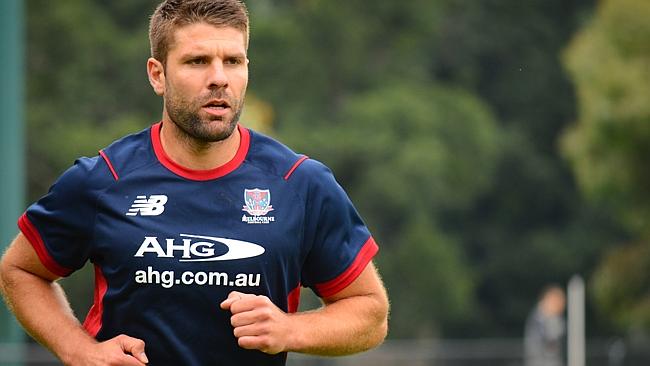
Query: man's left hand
[[258, 323]]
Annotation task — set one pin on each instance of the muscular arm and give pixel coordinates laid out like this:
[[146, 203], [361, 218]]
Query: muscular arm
[[40, 305], [354, 320]]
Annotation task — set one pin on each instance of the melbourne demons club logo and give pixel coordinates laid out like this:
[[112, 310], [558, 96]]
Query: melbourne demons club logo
[[257, 204], [258, 201]]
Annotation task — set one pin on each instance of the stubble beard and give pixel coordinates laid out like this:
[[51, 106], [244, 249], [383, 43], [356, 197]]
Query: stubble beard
[[185, 115]]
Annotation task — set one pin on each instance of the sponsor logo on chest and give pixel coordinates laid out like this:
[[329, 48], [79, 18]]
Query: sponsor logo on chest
[[198, 248]]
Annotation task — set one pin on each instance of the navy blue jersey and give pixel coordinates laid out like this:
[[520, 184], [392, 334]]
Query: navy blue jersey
[[169, 243]]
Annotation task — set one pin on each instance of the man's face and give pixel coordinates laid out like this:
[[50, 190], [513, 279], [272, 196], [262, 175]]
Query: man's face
[[205, 81], [553, 303]]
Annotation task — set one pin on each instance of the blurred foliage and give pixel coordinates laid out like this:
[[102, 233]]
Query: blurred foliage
[[86, 82], [409, 154], [621, 286], [609, 146], [440, 118], [531, 227]]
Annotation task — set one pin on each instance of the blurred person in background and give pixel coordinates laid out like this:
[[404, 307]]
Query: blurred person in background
[[545, 329], [201, 231]]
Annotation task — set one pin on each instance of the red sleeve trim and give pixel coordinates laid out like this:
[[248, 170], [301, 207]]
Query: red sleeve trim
[[332, 287], [295, 166], [93, 322], [108, 162], [35, 239], [293, 300]]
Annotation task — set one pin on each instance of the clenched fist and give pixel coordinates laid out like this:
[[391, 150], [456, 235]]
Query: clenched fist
[[258, 323]]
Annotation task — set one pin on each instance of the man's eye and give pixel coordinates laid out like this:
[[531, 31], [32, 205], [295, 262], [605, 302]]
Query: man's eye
[[196, 61], [233, 61]]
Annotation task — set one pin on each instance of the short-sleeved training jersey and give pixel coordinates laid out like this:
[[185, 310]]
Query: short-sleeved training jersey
[[168, 244]]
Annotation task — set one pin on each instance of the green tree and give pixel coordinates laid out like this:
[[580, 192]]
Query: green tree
[[621, 287], [532, 226], [86, 81], [609, 146], [413, 153]]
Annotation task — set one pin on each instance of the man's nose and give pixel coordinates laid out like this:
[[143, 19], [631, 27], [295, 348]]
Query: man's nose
[[217, 77]]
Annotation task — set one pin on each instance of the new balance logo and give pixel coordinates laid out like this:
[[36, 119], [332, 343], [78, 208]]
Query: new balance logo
[[152, 206]]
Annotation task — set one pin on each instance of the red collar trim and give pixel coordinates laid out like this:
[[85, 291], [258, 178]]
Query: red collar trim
[[192, 174]]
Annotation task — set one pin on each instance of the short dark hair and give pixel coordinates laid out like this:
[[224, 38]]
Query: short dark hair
[[172, 14]]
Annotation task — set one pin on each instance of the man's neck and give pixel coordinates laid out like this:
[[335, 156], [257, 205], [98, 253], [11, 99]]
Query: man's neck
[[197, 155]]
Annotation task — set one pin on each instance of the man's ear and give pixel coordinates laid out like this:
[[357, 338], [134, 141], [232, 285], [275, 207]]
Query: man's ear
[[156, 73]]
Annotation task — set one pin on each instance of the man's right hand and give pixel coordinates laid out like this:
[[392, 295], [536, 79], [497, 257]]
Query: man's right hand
[[41, 306], [119, 351]]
